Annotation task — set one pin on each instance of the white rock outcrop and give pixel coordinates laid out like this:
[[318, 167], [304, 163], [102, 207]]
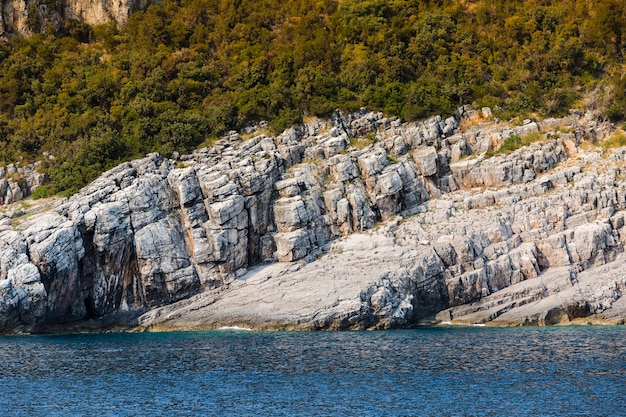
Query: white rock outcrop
[[15, 15], [304, 230]]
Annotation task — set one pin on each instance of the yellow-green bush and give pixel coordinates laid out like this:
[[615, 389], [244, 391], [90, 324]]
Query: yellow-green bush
[[515, 142], [616, 140]]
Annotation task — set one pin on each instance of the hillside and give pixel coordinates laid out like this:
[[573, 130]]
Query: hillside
[[354, 222], [177, 75]]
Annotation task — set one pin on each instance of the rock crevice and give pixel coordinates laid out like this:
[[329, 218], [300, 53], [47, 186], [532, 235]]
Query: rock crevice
[[416, 224]]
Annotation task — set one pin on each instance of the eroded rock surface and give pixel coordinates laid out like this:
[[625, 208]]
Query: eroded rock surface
[[17, 16], [319, 228]]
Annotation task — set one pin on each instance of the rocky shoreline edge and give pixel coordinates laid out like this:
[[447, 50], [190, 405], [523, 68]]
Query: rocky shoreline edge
[[357, 222]]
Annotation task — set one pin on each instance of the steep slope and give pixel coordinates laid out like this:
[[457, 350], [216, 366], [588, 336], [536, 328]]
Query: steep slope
[[181, 73], [168, 244], [545, 251]]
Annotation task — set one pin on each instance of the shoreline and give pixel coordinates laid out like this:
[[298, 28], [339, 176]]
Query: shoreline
[[91, 329], [309, 231]]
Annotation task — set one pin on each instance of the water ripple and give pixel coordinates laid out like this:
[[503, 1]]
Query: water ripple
[[421, 372]]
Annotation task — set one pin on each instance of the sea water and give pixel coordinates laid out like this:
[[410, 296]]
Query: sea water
[[573, 371]]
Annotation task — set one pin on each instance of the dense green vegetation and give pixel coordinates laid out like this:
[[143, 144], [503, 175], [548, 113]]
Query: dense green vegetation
[[182, 73]]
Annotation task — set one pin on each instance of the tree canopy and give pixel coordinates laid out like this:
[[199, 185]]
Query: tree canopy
[[181, 73]]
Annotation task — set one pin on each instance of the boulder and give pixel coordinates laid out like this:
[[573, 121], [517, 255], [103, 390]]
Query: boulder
[[426, 160]]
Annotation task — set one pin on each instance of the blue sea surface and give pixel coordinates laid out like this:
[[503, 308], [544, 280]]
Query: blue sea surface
[[573, 371]]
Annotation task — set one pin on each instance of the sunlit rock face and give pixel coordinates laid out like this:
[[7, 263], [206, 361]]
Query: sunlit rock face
[[27, 17], [359, 221]]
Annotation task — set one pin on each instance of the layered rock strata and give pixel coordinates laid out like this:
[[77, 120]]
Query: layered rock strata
[[356, 222]]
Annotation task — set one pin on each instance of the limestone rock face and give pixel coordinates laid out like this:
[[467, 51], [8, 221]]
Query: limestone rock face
[[15, 14], [23, 294], [95, 13], [305, 230], [17, 183], [426, 160], [55, 247]]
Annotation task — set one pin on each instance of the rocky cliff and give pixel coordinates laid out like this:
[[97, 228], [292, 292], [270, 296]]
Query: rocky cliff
[[19, 182], [26, 17], [356, 222]]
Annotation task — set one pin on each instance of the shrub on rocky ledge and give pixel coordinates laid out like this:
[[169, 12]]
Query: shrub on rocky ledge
[[616, 140], [515, 142]]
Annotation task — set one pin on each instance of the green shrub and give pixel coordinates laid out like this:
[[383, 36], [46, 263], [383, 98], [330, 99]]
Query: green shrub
[[392, 159], [617, 139], [363, 142], [515, 142], [42, 191]]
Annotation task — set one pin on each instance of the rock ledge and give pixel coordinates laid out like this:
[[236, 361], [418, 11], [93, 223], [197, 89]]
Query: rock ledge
[[312, 230]]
